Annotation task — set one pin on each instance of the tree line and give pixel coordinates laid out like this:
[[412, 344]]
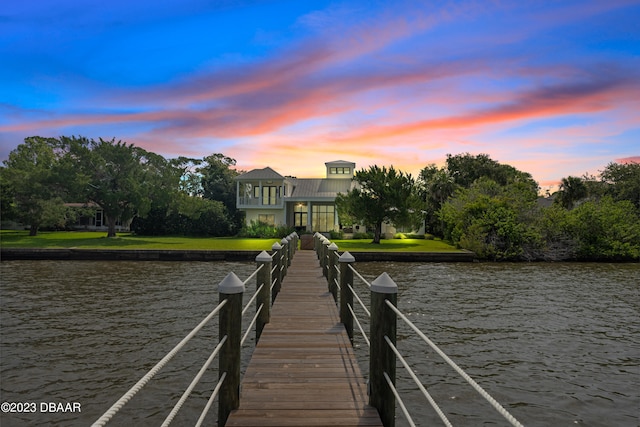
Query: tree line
[[494, 210], [183, 196], [472, 201]]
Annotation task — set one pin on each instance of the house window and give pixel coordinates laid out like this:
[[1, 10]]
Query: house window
[[300, 215], [340, 171], [323, 217], [98, 219], [269, 219], [270, 195]]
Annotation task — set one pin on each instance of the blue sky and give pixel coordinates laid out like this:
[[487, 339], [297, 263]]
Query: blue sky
[[552, 88]]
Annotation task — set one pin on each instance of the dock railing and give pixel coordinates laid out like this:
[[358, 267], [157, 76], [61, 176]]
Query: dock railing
[[382, 315], [233, 334]]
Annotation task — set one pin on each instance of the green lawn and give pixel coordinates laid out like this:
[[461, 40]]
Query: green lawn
[[97, 240], [395, 245]]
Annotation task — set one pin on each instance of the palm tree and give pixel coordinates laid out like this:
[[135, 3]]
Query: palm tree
[[572, 189]]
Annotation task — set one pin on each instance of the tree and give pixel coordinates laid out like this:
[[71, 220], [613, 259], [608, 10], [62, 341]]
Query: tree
[[218, 183], [436, 186], [490, 219], [117, 176], [31, 176], [572, 189], [465, 169], [623, 181], [606, 229], [383, 196]]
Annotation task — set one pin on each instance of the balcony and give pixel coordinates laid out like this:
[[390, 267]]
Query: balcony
[[267, 202]]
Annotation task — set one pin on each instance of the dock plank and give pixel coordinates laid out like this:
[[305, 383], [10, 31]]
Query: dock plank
[[303, 371]]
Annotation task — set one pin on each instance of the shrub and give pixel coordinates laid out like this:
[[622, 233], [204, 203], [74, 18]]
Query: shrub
[[263, 230]]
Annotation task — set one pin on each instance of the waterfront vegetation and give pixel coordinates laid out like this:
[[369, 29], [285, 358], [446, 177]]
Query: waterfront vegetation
[[472, 202], [97, 240]]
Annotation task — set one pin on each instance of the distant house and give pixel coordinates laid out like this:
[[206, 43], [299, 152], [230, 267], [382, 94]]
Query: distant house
[[308, 204], [93, 218]]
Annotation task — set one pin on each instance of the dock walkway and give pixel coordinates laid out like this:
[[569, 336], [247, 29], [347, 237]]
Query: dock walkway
[[303, 371]]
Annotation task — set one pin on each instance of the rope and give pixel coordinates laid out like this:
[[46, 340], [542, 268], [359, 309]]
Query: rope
[[253, 298], [195, 381], [426, 394], [514, 422], [360, 301], [337, 284], [355, 319], [399, 400], [252, 275], [359, 275], [211, 399], [253, 322], [145, 379]]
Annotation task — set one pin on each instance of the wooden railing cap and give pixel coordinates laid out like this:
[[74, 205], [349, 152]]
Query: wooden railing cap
[[231, 284], [384, 284], [263, 257]]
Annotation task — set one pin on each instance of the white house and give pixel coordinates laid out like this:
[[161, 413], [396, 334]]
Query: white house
[[304, 203]]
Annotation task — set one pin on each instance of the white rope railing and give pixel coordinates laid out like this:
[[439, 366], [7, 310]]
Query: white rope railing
[[214, 394], [366, 310], [399, 400], [149, 375], [355, 319], [253, 298], [250, 327], [253, 275], [195, 381], [415, 378], [497, 406], [359, 276]]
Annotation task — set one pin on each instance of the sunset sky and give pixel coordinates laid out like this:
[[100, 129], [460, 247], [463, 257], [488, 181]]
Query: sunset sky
[[552, 88]]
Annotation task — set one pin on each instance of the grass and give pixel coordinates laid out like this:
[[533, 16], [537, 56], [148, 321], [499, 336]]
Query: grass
[[395, 245], [98, 240]]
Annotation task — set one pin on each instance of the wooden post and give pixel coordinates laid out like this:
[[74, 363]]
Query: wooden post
[[332, 274], [316, 244], [263, 278], [289, 250], [346, 297], [325, 260], [285, 250], [381, 357], [230, 289], [277, 273]]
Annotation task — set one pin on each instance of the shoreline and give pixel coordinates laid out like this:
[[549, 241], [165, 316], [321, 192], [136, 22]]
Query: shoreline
[[71, 254]]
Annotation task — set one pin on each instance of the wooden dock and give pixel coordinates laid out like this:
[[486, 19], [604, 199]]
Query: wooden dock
[[303, 371]]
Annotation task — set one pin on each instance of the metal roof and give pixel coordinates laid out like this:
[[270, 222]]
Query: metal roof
[[317, 189], [257, 174]]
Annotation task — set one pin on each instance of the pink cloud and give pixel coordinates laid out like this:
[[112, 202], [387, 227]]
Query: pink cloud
[[627, 160]]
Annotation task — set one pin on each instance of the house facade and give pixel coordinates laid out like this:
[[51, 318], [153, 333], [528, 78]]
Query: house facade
[[308, 204]]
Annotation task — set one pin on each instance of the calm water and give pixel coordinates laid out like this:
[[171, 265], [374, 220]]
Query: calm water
[[556, 344]]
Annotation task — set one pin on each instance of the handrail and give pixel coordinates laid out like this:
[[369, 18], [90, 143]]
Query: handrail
[[252, 275], [213, 396], [195, 381], [415, 378], [253, 298], [228, 381], [250, 327], [360, 276], [355, 318], [149, 375], [385, 292], [355, 294], [497, 406], [399, 399]]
